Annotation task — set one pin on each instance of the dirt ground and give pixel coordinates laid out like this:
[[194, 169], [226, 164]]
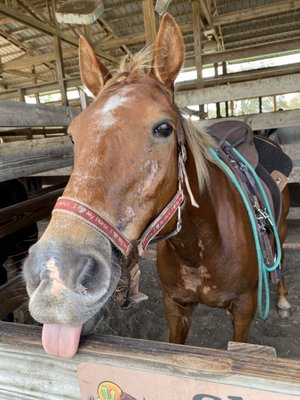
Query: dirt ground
[[211, 327]]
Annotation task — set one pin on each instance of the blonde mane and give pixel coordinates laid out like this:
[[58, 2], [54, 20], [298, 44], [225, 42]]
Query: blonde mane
[[199, 143], [130, 65]]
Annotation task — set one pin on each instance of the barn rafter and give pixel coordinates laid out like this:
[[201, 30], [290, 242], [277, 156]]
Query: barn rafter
[[215, 31]]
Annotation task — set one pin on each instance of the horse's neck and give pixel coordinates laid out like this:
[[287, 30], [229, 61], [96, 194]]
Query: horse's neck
[[215, 200]]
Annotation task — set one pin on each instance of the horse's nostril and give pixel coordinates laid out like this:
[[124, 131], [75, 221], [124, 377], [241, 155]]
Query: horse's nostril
[[87, 277]]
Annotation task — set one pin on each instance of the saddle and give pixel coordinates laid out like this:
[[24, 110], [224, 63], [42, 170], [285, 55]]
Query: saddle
[[265, 156], [271, 165]]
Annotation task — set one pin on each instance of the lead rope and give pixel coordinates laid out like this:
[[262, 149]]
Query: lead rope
[[263, 269]]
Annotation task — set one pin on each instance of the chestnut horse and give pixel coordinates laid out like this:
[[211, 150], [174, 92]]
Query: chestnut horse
[[130, 167]]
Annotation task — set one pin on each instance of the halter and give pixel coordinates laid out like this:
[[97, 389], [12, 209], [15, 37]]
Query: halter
[[84, 212]]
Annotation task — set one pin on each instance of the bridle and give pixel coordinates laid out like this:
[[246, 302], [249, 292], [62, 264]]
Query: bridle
[[82, 211]]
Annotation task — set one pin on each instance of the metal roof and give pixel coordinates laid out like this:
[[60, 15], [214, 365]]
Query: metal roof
[[232, 24]]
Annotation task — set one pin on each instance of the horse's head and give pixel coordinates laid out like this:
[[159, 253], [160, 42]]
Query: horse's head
[[125, 172]]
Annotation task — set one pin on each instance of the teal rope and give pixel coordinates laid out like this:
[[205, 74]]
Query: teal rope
[[263, 285], [261, 188]]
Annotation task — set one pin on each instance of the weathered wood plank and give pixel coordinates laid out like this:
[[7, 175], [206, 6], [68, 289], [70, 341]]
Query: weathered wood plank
[[253, 349], [292, 150], [22, 214], [295, 175], [43, 377], [57, 172], [261, 121], [30, 157], [31, 115], [244, 90], [294, 213]]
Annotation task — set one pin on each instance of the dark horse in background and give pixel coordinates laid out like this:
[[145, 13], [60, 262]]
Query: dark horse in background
[[15, 245], [136, 157]]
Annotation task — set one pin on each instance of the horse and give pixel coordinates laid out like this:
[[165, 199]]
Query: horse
[[140, 168]]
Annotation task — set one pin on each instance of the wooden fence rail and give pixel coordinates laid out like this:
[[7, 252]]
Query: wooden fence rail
[[24, 213], [25, 158], [26, 372], [14, 114]]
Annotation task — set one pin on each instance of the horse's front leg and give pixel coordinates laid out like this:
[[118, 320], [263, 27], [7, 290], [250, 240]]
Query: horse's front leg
[[242, 311], [179, 317]]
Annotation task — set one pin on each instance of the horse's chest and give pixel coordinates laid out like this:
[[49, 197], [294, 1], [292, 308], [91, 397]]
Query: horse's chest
[[197, 285]]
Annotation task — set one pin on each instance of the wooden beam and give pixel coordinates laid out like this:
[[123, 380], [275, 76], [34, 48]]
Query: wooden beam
[[39, 88], [242, 76], [38, 59], [255, 13], [282, 46], [104, 44], [28, 157], [46, 28], [262, 121], [33, 11], [13, 41], [20, 215], [149, 21], [40, 376], [254, 51], [28, 115], [244, 90], [18, 72], [60, 73], [106, 26]]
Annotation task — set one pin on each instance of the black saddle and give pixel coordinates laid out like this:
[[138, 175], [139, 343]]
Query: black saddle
[[264, 155]]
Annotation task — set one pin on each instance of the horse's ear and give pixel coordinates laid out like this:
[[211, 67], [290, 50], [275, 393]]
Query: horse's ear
[[168, 52], [93, 73]]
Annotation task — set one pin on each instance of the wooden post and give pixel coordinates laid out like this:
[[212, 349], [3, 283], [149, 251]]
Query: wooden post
[[232, 107], [275, 103], [60, 71], [260, 104], [149, 21], [59, 59], [22, 95], [224, 70], [198, 49], [218, 110], [34, 81], [88, 34]]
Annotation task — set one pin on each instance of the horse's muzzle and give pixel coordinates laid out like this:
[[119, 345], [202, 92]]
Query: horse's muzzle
[[67, 285]]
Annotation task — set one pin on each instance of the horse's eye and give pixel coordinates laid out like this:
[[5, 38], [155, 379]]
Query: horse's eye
[[163, 130]]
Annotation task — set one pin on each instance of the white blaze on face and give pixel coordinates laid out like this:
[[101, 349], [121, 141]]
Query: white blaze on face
[[113, 103]]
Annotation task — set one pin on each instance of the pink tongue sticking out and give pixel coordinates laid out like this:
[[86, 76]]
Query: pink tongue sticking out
[[61, 340]]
